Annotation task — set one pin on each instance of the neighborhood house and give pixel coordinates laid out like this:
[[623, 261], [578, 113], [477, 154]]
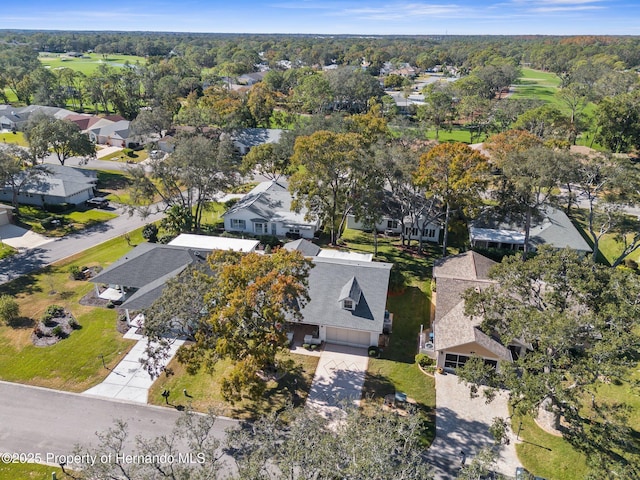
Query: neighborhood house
[[456, 336], [266, 210], [554, 228], [55, 185], [347, 295]]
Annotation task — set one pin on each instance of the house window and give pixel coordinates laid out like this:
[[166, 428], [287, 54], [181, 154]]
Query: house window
[[454, 361], [392, 224], [429, 232], [347, 304], [260, 228], [413, 231], [238, 224], [294, 230]]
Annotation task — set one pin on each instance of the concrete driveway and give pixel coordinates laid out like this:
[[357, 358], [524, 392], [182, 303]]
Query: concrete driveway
[[21, 238], [339, 378], [462, 425]]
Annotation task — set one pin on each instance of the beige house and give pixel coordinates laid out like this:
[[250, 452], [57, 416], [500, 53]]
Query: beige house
[[457, 337]]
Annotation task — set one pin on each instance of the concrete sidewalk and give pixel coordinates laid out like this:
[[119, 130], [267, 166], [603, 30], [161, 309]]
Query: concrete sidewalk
[[129, 380], [339, 378]]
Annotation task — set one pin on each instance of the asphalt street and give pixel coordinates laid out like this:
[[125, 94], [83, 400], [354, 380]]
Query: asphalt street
[[38, 421], [36, 258]]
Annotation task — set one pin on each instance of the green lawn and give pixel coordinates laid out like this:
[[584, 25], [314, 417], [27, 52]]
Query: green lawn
[[204, 388], [553, 457], [73, 364], [71, 221], [16, 138], [5, 250], [396, 369], [537, 85], [88, 63], [28, 471], [212, 214], [609, 247], [127, 155]]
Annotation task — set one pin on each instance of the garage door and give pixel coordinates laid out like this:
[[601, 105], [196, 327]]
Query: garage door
[[353, 338]]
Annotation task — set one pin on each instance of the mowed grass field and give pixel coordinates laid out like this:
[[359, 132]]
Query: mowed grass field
[[539, 85], [89, 62]]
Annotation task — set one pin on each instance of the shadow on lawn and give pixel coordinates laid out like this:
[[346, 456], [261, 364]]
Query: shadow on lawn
[[377, 386]]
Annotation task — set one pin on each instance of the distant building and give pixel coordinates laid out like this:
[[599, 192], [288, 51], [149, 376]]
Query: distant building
[[266, 210], [554, 229]]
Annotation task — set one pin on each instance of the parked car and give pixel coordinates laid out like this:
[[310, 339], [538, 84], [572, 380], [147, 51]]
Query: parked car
[[100, 202]]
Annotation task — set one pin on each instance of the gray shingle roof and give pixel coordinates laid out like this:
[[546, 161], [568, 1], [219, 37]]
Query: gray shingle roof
[[251, 137], [60, 181], [555, 229], [327, 279], [303, 246], [147, 263], [270, 201]]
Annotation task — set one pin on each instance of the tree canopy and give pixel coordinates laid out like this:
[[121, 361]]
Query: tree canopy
[[579, 323]]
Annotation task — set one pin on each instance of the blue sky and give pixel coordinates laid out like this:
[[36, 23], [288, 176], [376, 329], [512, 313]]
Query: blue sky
[[370, 17]]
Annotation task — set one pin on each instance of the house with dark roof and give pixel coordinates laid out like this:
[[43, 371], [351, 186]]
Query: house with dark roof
[[348, 300], [553, 228], [347, 297], [456, 336], [56, 185], [266, 210], [247, 138], [138, 278]]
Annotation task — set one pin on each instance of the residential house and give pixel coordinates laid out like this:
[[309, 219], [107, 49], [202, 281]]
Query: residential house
[[348, 300], [553, 228], [251, 78], [266, 210], [347, 297], [247, 138], [113, 133], [420, 229], [138, 278], [308, 249], [456, 336], [56, 185]]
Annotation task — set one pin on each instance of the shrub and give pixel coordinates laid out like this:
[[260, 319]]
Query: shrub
[[76, 272], [54, 311], [150, 233], [110, 304], [57, 331], [9, 309], [630, 263], [270, 240], [73, 323], [373, 351], [424, 360], [165, 238], [58, 207]]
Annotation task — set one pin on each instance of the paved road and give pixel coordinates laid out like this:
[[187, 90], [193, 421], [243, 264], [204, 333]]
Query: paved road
[[93, 164], [39, 257], [42, 421]]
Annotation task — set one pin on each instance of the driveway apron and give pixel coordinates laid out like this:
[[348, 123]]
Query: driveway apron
[[338, 379]]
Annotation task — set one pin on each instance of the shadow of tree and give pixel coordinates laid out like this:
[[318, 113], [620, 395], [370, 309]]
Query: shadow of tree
[[22, 322]]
